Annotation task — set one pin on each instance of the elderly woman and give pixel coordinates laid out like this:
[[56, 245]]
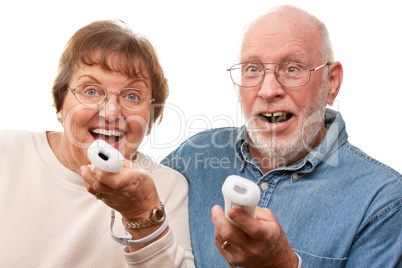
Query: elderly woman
[[110, 86]]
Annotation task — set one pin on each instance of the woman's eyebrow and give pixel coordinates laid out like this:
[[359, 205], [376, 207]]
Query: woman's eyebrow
[[86, 76]]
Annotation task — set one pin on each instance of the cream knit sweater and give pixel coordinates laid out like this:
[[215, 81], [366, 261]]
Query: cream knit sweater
[[48, 219]]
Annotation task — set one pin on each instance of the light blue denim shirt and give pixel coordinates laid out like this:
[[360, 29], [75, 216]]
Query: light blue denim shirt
[[338, 206]]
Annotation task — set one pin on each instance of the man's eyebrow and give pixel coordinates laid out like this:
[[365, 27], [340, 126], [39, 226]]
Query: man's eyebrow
[[286, 57], [295, 57]]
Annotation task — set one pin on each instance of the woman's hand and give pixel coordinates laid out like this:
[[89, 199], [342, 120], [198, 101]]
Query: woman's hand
[[132, 191]]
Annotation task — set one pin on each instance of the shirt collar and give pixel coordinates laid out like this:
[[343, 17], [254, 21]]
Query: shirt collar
[[335, 137], [241, 148]]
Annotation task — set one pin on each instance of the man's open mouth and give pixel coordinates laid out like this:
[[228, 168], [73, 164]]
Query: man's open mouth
[[110, 136], [275, 118]]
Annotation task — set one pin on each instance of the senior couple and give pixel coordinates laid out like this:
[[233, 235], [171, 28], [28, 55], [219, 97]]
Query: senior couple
[[323, 203]]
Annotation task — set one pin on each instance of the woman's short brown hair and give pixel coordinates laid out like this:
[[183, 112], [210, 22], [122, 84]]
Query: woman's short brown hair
[[112, 45]]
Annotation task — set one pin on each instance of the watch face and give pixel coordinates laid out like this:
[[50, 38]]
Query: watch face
[[158, 213]]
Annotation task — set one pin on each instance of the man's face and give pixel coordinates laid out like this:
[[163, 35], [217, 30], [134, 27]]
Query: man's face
[[283, 122]]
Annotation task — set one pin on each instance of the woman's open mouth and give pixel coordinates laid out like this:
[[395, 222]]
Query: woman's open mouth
[[110, 136]]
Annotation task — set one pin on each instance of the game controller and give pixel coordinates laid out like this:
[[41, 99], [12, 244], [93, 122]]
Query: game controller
[[240, 193], [105, 156]]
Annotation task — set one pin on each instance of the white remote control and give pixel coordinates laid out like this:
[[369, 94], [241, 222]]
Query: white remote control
[[240, 193], [105, 156]]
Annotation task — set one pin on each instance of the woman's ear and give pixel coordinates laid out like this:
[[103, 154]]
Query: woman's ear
[[150, 125], [60, 117], [335, 77]]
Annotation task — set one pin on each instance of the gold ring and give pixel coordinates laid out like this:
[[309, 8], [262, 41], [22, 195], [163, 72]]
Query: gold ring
[[99, 196], [225, 244]]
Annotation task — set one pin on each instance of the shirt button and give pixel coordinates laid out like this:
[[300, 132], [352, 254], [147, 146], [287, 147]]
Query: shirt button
[[264, 186], [295, 176]]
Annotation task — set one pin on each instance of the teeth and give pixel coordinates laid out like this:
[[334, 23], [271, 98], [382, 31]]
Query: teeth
[[279, 114], [274, 114], [106, 132]]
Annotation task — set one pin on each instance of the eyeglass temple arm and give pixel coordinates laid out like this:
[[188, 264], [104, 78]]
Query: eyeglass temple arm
[[316, 68]]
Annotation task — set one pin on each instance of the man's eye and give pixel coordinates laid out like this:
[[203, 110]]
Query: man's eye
[[292, 69], [252, 69]]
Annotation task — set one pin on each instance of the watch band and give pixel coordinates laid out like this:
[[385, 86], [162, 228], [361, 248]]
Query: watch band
[[156, 217], [126, 240]]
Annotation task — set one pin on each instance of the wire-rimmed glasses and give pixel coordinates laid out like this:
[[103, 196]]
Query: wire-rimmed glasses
[[93, 95], [289, 74]]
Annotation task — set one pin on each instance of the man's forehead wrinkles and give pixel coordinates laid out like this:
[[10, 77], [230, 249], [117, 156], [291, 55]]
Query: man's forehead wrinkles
[[296, 56]]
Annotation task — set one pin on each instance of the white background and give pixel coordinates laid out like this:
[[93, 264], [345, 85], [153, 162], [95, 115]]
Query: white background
[[196, 42]]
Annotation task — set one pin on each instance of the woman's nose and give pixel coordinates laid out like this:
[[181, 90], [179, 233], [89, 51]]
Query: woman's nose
[[110, 109]]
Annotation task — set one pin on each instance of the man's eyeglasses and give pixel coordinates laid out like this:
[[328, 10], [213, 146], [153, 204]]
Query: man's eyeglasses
[[93, 95], [289, 74]]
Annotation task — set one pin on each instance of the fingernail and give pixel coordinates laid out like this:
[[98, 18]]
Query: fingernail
[[233, 215], [95, 170], [214, 208]]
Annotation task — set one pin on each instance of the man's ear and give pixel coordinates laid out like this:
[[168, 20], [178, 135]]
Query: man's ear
[[335, 77]]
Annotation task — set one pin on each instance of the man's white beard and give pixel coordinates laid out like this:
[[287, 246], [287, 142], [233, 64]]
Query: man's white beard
[[286, 150]]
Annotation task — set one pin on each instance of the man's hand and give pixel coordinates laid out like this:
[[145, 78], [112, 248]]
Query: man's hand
[[259, 242]]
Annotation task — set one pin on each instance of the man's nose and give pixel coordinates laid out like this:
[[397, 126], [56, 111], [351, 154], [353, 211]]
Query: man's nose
[[270, 87]]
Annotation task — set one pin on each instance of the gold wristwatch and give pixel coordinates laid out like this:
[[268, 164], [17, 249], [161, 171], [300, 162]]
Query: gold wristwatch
[[157, 216]]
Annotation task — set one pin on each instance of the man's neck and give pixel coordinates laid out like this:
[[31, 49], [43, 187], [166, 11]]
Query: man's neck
[[270, 162]]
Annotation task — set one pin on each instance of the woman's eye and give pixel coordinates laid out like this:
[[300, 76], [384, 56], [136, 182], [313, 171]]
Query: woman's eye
[[91, 92], [132, 97]]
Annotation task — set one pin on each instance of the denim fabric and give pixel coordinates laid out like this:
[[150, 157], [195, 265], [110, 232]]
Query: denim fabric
[[338, 206]]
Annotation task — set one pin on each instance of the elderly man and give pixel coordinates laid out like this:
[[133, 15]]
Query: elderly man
[[324, 202]]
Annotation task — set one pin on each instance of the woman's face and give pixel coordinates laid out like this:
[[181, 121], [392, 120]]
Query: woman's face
[[122, 129]]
